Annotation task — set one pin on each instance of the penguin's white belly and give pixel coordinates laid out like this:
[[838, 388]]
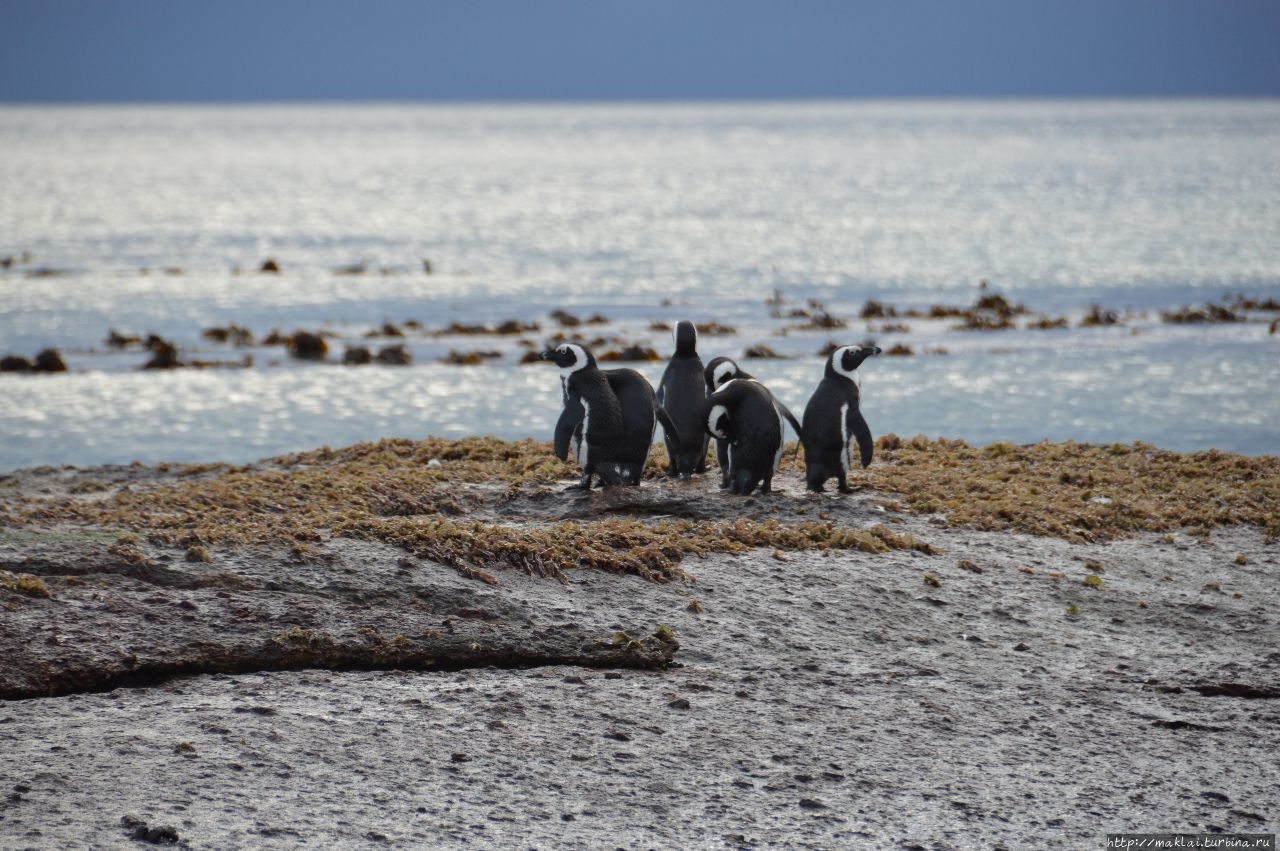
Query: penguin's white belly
[[583, 449], [845, 460]]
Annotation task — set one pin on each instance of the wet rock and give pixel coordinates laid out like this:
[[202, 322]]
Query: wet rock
[[49, 360], [305, 345], [270, 266], [760, 352], [811, 804], [15, 363], [630, 353], [875, 310], [353, 269], [456, 358], [1098, 316], [899, 350], [116, 340], [397, 355], [679, 703], [715, 329], [565, 318], [1210, 313], [357, 356], [512, 326], [233, 334], [164, 355]]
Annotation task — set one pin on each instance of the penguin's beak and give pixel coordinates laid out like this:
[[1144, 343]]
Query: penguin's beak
[[549, 354], [872, 350]]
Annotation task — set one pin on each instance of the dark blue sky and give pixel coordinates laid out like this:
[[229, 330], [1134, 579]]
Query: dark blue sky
[[244, 50]]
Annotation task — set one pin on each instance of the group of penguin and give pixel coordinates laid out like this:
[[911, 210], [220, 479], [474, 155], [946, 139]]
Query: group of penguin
[[609, 417]]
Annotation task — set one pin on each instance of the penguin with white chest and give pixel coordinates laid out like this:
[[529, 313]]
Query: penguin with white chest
[[591, 420], [745, 417], [681, 393], [719, 372], [833, 420]]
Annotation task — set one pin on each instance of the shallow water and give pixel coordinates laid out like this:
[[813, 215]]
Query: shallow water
[[641, 212]]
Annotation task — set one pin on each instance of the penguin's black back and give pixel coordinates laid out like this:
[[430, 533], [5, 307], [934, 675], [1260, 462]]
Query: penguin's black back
[[754, 432], [636, 405], [682, 391]]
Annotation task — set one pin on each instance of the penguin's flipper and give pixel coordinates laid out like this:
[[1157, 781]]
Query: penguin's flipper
[[855, 425], [570, 416], [668, 426]]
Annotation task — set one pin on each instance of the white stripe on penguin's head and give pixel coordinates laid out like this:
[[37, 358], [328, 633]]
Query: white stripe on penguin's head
[[571, 358], [724, 373], [837, 362]]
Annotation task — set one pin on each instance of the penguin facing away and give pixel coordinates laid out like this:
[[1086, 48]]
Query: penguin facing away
[[681, 393], [639, 408], [832, 417], [719, 372], [744, 415], [591, 419]]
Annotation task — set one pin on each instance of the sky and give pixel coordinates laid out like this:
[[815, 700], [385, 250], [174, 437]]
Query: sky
[[458, 50]]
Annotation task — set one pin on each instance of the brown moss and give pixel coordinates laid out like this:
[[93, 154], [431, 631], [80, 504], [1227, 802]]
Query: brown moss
[[23, 583], [715, 329], [899, 350], [759, 352], [1048, 488]]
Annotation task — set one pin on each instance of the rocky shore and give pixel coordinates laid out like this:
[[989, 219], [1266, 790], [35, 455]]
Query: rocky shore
[[434, 644]]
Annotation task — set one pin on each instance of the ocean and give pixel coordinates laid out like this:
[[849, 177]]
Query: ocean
[[764, 217]]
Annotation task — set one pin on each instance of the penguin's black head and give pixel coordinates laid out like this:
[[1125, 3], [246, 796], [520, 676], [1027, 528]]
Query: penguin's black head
[[686, 337], [720, 371], [570, 357], [846, 359]]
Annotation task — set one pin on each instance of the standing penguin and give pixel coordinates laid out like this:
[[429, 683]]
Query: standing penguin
[[639, 408], [591, 420], [745, 417], [719, 372], [832, 417], [681, 393]]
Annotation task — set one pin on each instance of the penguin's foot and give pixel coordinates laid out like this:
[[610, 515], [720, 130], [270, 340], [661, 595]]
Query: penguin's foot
[[845, 489]]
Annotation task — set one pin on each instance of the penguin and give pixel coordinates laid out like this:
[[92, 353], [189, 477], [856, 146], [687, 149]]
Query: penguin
[[745, 417], [681, 393], [719, 372], [591, 420], [640, 409], [832, 417]]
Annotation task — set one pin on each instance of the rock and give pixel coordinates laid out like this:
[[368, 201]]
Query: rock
[[679, 703], [50, 360], [357, 356], [164, 355], [811, 804], [307, 346], [396, 355], [15, 363], [116, 340], [760, 352], [269, 265], [631, 353]]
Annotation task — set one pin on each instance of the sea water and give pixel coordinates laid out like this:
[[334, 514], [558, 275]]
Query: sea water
[[155, 219]]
